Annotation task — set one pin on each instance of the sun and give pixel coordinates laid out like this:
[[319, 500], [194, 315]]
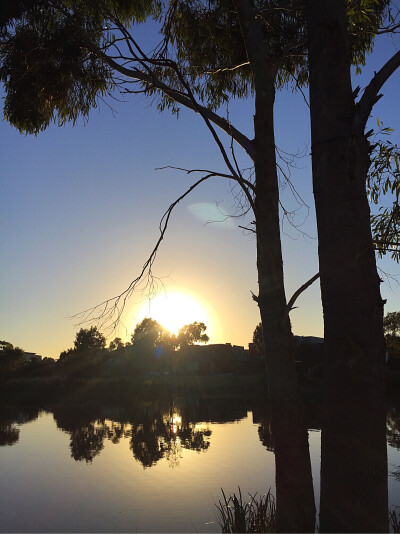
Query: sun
[[174, 309]]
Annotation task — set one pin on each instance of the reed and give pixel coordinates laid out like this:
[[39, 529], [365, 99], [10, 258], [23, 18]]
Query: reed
[[394, 521], [254, 515]]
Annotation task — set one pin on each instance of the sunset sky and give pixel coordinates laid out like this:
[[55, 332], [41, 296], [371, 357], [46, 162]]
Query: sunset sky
[[80, 207]]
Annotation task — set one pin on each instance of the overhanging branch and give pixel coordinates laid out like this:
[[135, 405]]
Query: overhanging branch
[[184, 100], [108, 313]]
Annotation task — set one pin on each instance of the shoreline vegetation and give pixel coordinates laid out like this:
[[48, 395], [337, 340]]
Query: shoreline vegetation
[[40, 388], [156, 360]]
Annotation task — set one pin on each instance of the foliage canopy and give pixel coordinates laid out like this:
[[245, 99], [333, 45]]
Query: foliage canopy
[[57, 59]]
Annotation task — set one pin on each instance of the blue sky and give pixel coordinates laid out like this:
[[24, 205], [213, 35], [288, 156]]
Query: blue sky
[[80, 207]]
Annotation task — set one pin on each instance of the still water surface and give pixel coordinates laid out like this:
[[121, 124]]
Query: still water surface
[[148, 468]]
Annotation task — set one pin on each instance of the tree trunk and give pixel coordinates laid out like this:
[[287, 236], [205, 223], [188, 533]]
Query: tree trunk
[[353, 453], [295, 506], [294, 487]]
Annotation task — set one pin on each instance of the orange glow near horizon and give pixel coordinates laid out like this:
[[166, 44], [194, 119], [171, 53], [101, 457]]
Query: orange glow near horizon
[[175, 309]]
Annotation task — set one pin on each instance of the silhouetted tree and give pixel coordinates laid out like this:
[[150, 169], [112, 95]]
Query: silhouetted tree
[[147, 334], [192, 333], [11, 358], [67, 57], [258, 338], [85, 359], [353, 427], [116, 345], [391, 328], [89, 340]]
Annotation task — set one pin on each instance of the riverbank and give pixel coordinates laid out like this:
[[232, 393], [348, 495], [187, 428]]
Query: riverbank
[[52, 388]]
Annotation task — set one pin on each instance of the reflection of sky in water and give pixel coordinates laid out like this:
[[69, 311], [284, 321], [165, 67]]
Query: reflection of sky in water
[[43, 489], [208, 212]]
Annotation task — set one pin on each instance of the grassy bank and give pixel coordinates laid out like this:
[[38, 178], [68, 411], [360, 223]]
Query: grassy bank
[[53, 388]]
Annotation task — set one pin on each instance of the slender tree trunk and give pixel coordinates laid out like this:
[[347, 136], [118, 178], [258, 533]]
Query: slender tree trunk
[[353, 455], [294, 487]]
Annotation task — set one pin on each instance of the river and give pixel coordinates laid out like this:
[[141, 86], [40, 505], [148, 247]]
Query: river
[[143, 465]]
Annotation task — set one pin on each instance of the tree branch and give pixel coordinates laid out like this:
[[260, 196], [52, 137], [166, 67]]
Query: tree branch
[[214, 173], [296, 294], [108, 313], [185, 101], [237, 175], [371, 96]]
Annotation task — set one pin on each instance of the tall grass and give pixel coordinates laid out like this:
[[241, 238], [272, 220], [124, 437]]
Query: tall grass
[[394, 520], [259, 514], [255, 515]]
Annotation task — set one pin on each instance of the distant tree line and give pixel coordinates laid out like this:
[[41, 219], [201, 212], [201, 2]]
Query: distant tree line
[[12, 361], [150, 347]]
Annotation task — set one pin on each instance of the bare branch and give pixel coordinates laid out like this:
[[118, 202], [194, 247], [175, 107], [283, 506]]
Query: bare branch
[[389, 29], [296, 294], [284, 177], [221, 147], [214, 173], [371, 96], [388, 278], [251, 230], [108, 313]]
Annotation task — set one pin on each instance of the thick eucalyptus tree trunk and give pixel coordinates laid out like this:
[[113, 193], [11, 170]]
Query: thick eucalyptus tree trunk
[[294, 487], [353, 455]]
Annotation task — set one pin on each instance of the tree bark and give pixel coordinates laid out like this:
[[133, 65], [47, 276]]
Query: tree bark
[[295, 506], [353, 449], [294, 487]]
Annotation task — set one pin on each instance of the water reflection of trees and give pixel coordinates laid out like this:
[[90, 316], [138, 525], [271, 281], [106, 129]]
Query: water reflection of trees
[[87, 442], [166, 434], [155, 431], [360, 506], [393, 427], [262, 417], [9, 434], [11, 416], [393, 434], [161, 428], [164, 428], [147, 443]]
